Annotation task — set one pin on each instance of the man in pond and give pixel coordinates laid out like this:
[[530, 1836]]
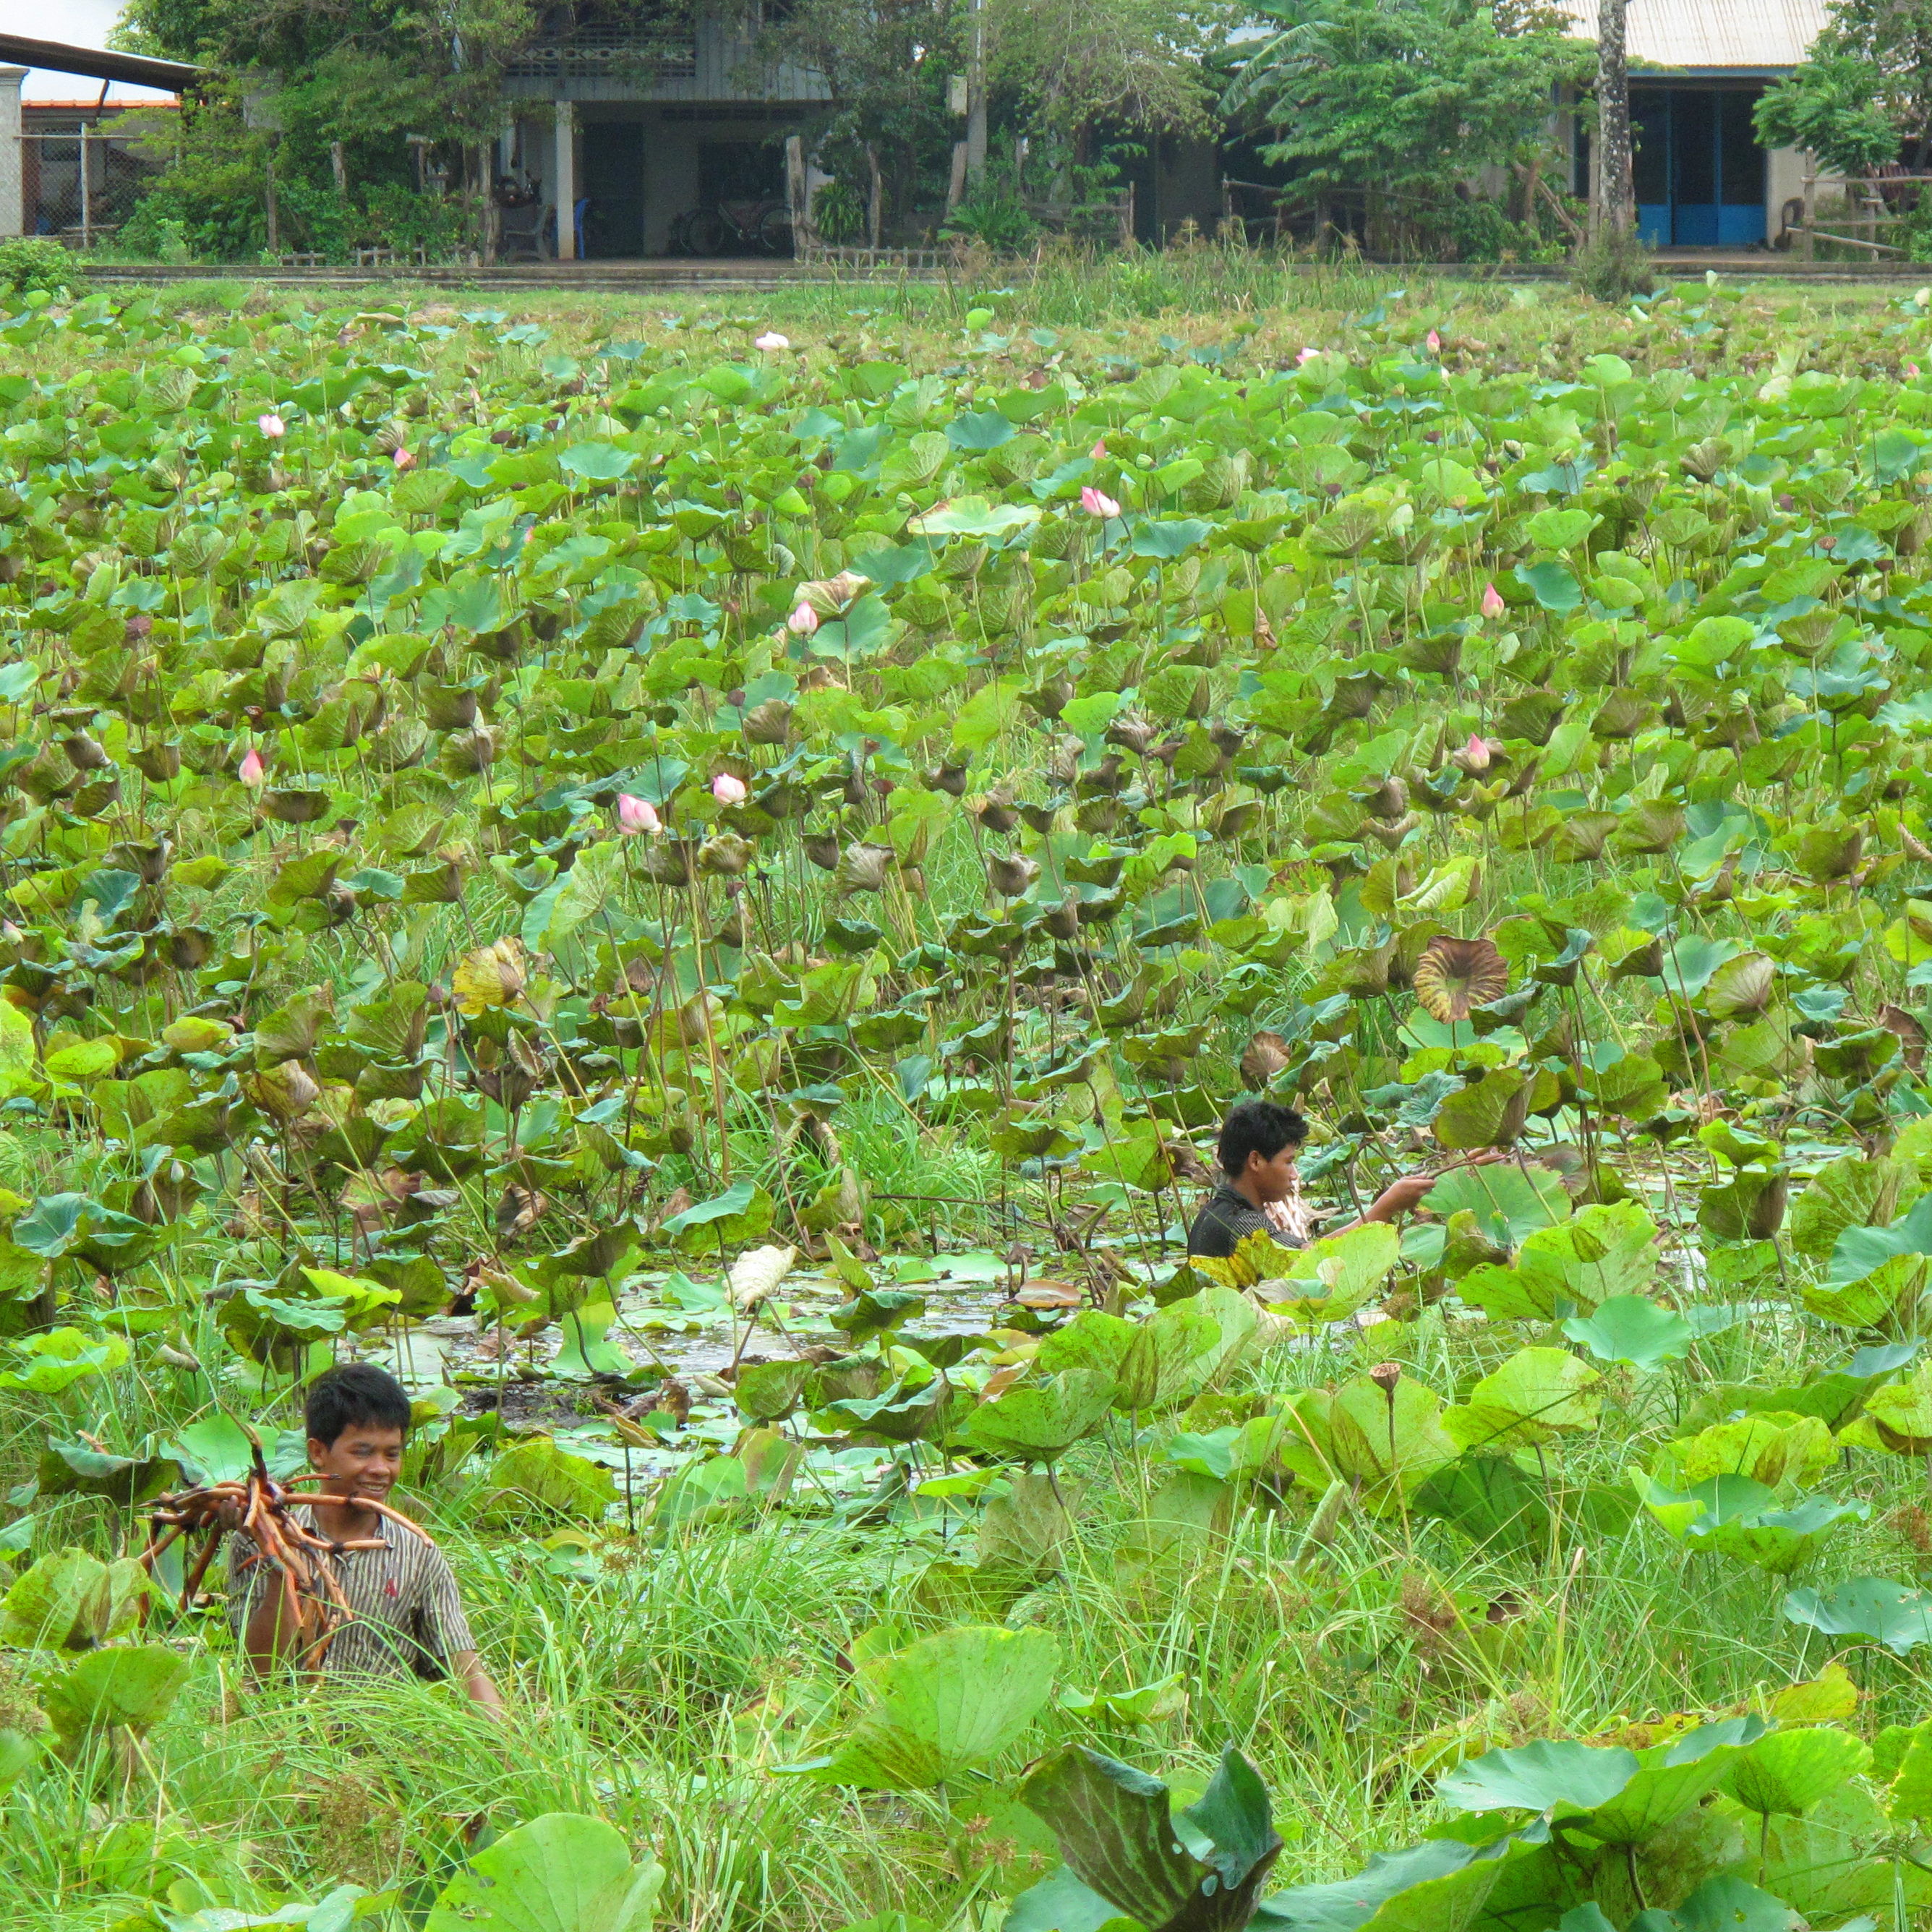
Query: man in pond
[[406, 1616], [1261, 1190]]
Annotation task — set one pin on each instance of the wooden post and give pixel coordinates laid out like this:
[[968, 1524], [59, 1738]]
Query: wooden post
[[875, 197], [1807, 248], [566, 181], [338, 165], [955, 185], [796, 205], [274, 209], [86, 194]]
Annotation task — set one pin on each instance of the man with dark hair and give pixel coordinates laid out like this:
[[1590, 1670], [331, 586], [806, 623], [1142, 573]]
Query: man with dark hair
[[1260, 1141], [407, 1618]]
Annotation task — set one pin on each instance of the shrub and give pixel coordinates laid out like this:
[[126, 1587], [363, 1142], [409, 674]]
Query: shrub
[[31, 263], [1612, 266]]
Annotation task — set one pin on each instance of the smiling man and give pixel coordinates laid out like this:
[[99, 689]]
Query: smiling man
[[407, 1618]]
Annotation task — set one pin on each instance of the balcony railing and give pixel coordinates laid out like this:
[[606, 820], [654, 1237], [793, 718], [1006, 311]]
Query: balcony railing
[[608, 50]]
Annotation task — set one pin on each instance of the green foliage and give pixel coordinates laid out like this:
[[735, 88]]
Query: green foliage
[[560, 1872], [749, 1078], [1402, 95], [1833, 106], [33, 264]]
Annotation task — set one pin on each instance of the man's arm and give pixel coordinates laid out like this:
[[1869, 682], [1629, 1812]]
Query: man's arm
[[447, 1630], [270, 1636], [477, 1682]]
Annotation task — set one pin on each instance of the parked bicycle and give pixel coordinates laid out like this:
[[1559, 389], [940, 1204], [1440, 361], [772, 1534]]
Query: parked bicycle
[[761, 226]]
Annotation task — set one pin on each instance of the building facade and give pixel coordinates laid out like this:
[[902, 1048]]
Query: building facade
[[1703, 179]]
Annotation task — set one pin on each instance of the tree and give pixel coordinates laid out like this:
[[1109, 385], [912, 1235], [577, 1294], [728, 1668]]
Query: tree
[[1869, 73], [1615, 210], [886, 63], [348, 81], [1402, 95], [1072, 66], [1830, 107]]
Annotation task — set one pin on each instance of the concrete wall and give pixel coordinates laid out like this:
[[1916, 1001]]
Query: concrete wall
[[13, 209], [1784, 181]]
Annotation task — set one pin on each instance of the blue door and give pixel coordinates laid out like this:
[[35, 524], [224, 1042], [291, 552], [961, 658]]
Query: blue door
[[1699, 170]]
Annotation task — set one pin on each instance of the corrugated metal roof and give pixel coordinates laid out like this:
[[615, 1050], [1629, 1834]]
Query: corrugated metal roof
[[1734, 36]]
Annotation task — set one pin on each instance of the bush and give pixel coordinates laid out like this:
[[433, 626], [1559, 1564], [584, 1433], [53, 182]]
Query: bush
[[1612, 266], [31, 263], [839, 213], [1000, 221]]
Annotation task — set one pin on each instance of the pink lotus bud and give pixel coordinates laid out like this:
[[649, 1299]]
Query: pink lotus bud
[[403, 460], [271, 425], [251, 771], [1475, 756], [1307, 355], [637, 815], [728, 790], [1435, 343], [1099, 452], [1912, 369], [1095, 503], [771, 339], [804, 620], [1493, 605]]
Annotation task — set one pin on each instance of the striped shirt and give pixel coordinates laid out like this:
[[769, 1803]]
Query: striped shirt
[[1227, 1218], [408, 1618]]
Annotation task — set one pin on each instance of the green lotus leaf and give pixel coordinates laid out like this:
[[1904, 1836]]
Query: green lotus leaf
[[1537, 1395], [943, 1706], [560, 1872]]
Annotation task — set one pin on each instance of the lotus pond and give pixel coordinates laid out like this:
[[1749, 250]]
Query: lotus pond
[[701, 896]]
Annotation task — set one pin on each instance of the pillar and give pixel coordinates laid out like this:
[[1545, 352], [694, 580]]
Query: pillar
[[12, 197], [566, 178]]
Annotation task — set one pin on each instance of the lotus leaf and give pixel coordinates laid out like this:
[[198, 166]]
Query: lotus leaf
[[943, 1706], [1538, 1395], [559, 1872], [1870, 1607]]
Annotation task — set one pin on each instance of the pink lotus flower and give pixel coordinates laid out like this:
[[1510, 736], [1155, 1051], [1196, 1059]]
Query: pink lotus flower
[[803, 620], [1096, 503], [271, 426], [403, 460], [1307, 355], [1912, 369], [637, 815], [1099, 452], [1493, 605], [771, 340], [1475, 756], [251, 771], [728, 790], [1435, 343]]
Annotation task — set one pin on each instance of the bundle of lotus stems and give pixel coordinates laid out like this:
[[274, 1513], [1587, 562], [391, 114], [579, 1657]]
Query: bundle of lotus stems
[[262, 1508]]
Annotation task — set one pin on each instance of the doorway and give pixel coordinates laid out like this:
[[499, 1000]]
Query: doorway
[[613, 185], [1699, 171]]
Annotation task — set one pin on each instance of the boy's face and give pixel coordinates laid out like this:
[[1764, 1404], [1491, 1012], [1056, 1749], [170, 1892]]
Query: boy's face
[[364, 1461], [1274, 1179]]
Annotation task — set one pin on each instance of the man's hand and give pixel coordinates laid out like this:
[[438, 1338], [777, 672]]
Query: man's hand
[[1404, 1196], [1398, 1197], [477, 1683]]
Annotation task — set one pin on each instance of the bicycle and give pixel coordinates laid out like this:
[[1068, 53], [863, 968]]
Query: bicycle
[[761, 226]]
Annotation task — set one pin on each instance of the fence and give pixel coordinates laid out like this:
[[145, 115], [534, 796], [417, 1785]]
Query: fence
[[1880, 200], [78, 184]]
